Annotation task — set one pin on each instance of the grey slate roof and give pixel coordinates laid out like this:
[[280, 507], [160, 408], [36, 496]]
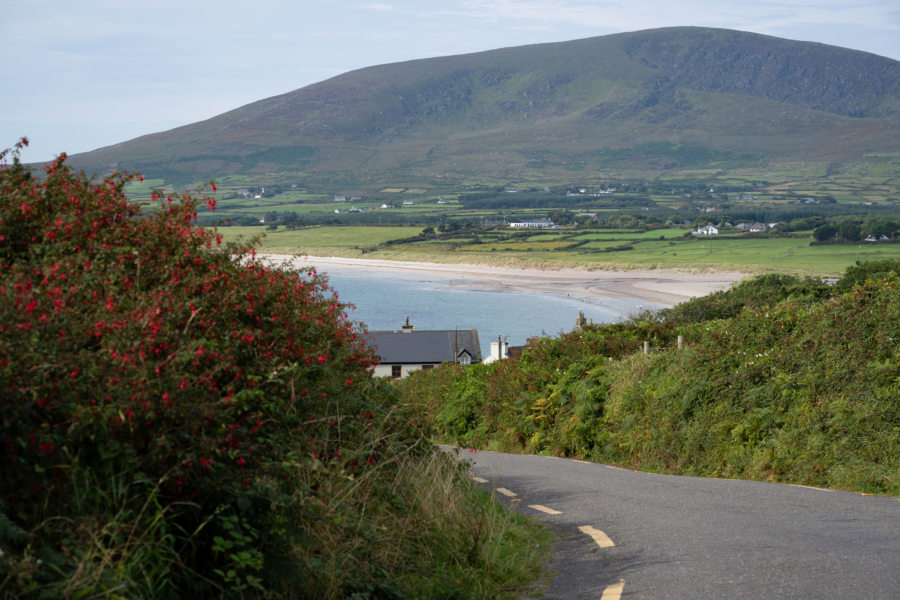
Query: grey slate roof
[[421, 347]]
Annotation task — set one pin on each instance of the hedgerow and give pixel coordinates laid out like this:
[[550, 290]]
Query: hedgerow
[[513, 404], [179, 420], [798, 383]]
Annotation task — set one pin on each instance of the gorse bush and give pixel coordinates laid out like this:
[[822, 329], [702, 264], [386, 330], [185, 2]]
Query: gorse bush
[[179, 420]]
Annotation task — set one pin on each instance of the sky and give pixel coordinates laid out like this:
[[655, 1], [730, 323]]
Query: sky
[[77, 76]]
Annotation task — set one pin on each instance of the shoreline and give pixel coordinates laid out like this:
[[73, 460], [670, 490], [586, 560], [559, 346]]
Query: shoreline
[[658, 286]]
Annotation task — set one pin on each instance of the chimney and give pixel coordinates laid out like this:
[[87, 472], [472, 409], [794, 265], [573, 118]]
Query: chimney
[[499, 350], [408, 328]]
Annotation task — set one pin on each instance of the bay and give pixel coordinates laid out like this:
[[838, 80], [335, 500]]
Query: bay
[[384, 299]]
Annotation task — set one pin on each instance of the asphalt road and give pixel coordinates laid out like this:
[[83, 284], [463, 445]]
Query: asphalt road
[[625, 534]]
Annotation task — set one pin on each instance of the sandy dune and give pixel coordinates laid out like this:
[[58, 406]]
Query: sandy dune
[[662, 287]]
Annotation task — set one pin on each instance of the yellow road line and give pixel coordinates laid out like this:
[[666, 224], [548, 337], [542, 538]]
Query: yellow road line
[[544, 509], [506, 492], [479, 480], [598, 536], [810, 487], [614, 591]]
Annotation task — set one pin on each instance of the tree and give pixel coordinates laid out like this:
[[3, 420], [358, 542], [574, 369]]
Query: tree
[[825, 232], [880, 227], [862, 271], [849, 231]]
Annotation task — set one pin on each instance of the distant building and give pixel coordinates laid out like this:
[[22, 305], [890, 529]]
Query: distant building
[[499, 351], [708, 230], [401, 352], [532, 224]]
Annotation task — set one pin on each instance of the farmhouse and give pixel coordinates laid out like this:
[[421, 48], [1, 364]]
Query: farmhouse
[[401, 352], [532, 224], [708, 230]]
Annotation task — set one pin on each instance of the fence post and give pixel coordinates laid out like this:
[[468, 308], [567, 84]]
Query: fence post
[[680, 342], [646, 347]]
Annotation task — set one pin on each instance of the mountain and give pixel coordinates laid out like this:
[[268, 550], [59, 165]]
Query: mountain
[[641, 102]]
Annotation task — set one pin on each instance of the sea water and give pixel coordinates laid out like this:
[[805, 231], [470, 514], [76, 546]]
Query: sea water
[[383, 300]]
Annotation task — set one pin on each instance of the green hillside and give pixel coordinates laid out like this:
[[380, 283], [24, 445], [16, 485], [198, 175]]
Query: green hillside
[[779, 379], [624, 103]]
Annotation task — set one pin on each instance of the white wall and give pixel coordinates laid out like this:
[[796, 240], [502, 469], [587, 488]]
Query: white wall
[[384, 370]]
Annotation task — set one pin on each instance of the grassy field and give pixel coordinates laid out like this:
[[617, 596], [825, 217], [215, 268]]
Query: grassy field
[[332, 239], [647, 251], [633, 235]]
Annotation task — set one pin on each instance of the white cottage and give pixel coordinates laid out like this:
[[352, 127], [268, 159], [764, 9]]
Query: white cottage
[[401, 352]]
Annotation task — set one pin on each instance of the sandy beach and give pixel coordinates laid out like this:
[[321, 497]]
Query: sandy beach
[[662, 287]]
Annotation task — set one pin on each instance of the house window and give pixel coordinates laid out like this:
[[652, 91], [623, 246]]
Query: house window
[[465, 359], [427, 367], [396, 371]]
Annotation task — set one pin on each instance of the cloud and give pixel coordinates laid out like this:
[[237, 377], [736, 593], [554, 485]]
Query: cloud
[[753, 15], [379, 7]]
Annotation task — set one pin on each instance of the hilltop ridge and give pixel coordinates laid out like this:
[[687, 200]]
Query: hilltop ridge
[[643, 101]]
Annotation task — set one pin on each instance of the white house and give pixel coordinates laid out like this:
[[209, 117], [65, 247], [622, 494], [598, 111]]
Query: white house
[[401, 352], [708, 230], [532, 224], [499, 351]]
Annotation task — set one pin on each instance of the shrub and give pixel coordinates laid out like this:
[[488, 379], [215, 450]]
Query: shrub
[[762, 290], [514, 404], [873, 269], [798, 385], [180, 420]]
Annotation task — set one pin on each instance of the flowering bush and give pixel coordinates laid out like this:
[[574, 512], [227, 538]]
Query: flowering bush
[[170, 406]]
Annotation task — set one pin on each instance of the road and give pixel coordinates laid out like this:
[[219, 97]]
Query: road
[[625, 534]]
